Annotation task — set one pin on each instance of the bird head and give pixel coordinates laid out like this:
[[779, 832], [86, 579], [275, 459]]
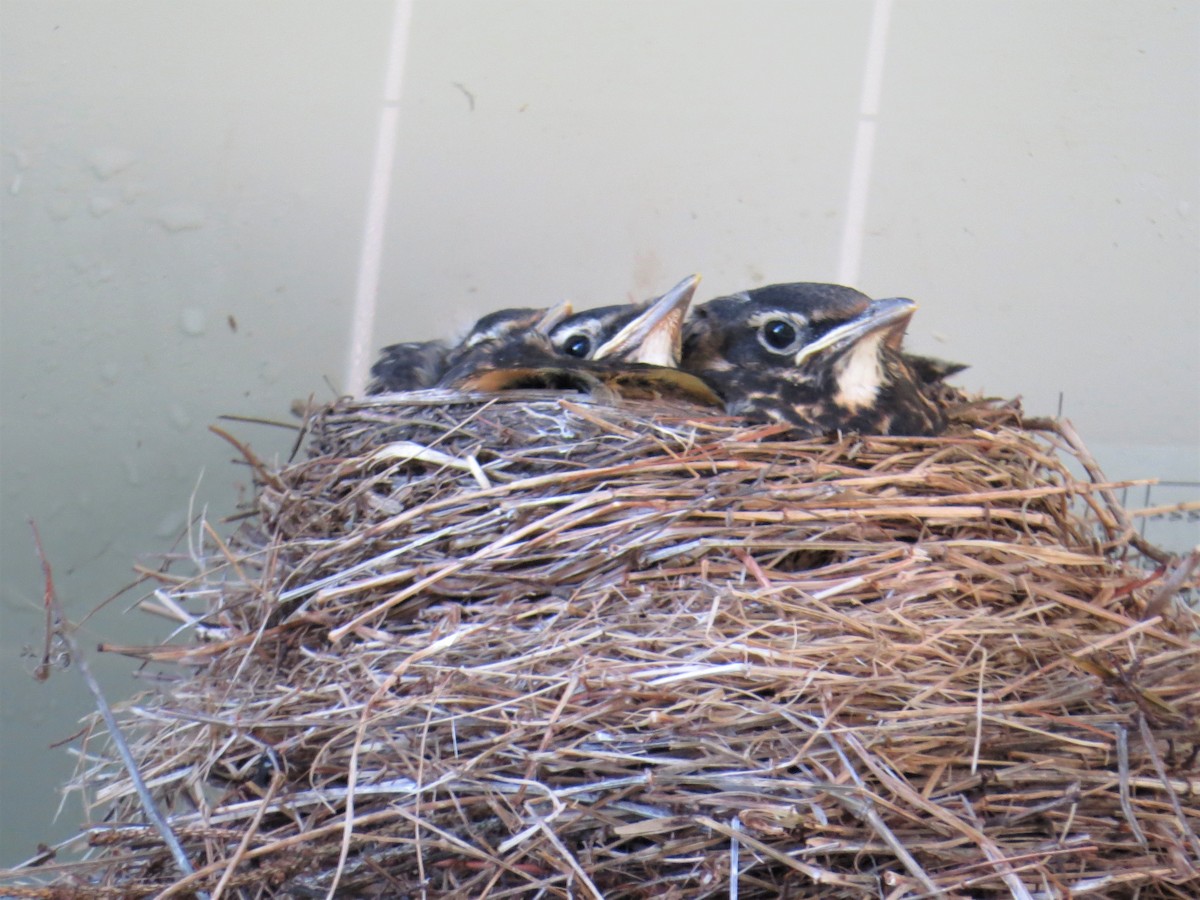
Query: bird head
[[503, 339], [408, 367], [649, 332], [422, 364], [821, 357], [509, 326], [627, 351]]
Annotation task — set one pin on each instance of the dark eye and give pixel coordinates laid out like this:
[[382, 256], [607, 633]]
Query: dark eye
[[578, 345], [779, 334]]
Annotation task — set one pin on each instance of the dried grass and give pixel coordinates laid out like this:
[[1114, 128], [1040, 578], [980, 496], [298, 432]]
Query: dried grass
[[539, 647]]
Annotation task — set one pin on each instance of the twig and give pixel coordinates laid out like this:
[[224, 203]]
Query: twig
[[277, 781], [863, 807], [42, 672], [816, 873], [1128, 532], [258, 420], [265, 475], [569, 858], [1122, 737], [1172, 584], [994, 856], [1188, 833], [63, 629]]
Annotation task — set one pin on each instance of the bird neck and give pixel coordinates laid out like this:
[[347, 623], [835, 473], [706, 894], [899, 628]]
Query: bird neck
[[860, 374]]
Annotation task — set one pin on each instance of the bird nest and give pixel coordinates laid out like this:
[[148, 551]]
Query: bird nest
[[537, 646]]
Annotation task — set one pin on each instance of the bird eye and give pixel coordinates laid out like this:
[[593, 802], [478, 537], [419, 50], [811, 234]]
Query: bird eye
[[577, 345], [778, 334]]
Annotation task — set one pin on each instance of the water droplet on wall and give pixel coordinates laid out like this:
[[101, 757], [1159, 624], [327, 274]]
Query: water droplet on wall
[[60, 208], [177, 217], [193, 321], [101, 206], [171, 524], [179, 416], [268, 373], [108, 161]]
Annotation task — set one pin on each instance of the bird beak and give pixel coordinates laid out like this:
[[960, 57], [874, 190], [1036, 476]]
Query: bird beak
[[546, 378], [551, 317], [656, 335], [888, 316]]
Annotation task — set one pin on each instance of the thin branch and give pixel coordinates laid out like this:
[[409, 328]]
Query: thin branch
[[63, 629]]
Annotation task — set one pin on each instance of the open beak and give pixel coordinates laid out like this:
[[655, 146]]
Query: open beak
[[543, 378], [551, 317], [655, 336], [885, 318]]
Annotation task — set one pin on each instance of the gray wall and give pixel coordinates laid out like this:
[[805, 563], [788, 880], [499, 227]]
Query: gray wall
[[169, 169]]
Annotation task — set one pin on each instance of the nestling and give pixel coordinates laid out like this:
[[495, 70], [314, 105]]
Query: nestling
[[820, 357]]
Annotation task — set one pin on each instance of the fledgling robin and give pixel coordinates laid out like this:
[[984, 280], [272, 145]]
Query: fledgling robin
[[820, 357], [649, 332], [410, 366], [423, 364], [619, 351]]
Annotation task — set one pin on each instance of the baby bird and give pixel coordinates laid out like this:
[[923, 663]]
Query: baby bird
[[628, 351], [424, 364], [649, 332], [819, 357], [410, 366]]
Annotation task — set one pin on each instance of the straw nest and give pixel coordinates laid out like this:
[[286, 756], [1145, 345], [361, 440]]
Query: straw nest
[[537, 646]]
